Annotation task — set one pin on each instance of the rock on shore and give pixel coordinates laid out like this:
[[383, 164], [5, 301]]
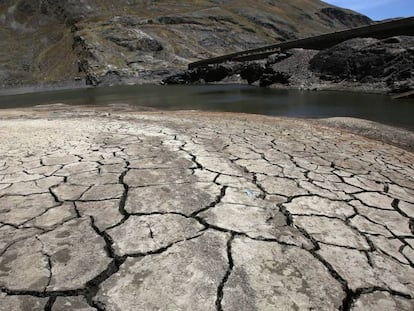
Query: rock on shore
[[386, 65], [390, 61]]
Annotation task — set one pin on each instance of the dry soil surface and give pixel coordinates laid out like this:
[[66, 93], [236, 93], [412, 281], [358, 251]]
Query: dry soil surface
[[104, 209]]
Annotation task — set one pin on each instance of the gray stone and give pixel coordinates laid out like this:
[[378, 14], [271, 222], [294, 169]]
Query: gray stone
[[24, 267], [317, 177], [105, 213], [375, 200], [394, 221], [331, 231], [4, 186], [339, 187], [93, 178], [268, 276], [60, 160], [77, 168], [204, 175], [366, 226], [187, 270], [407, 208], [261, 166], [68, 192], [235, 182], [20, 209], [71, 304], [53, 217], [76, 253], [149, 177], [408, 252], [144, 234], [113, 168], [359, 58], [314, 205], [280, 186], [47, 182], [22, 303], [45, 170], [393, 274], [20, 177], [382, 301], [352, 265], [9, 235], [401, 193], [184, 198], [389, 246], [133, 39], [103, 192], [364, 183], [256, 222], [324, 191], [249, 196], [219, 165], [22, 188], [164, 160]]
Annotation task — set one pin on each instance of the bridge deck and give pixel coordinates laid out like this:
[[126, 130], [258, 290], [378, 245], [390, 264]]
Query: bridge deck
[[382, 30]]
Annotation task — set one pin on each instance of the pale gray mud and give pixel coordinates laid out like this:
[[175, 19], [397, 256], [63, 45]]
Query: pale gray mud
[[105, 209]]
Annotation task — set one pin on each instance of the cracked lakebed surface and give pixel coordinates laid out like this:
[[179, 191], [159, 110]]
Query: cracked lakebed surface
[[121, 210]]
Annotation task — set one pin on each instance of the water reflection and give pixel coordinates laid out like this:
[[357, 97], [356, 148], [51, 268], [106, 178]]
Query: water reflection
[[233, 98]]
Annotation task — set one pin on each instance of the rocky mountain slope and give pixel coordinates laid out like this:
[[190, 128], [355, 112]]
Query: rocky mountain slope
[[100, 40]]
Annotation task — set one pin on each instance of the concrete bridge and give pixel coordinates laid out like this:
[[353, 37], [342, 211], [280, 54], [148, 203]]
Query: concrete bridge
[[381, 30]]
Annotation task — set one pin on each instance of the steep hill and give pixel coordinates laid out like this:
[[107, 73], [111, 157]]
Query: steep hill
[[52, 40]]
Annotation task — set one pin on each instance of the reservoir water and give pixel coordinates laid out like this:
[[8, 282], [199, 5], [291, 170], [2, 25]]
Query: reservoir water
[[232, 98]]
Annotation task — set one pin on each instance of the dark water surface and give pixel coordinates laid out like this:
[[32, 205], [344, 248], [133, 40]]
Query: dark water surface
[[233, 98]]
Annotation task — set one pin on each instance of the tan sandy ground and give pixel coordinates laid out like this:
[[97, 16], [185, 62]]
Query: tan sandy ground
[[113, 209]]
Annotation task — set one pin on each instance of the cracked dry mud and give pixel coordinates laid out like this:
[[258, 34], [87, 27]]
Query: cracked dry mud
[[188, 211]]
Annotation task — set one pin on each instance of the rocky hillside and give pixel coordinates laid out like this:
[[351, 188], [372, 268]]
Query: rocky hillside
[[364, 64], [100, 40]]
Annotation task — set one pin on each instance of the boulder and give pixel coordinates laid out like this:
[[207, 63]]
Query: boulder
[[367, 60], [132, 39], [212, 73], [270, 77], [277, 57], [185, 77], [252, 72]]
